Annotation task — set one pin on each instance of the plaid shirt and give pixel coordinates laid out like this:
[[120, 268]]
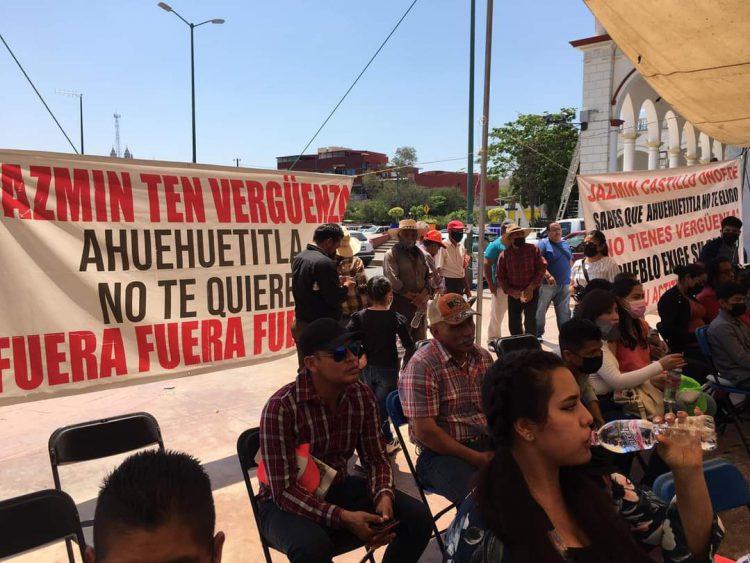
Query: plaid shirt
[[356, 297], [518, 268], [296, 415], [433, 385]]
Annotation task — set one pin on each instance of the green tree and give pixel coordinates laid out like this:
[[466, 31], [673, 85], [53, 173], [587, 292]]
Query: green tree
[[396, 213], [416, 212], [458, 215], [496, 215], [437, 204], [371, 185], [535, 152]]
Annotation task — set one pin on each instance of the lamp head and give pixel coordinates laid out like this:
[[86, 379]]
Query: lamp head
[[164, 6], [218, 21]]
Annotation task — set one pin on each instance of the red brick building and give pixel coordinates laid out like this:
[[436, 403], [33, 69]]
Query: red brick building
[[442, 179], [337, 160]]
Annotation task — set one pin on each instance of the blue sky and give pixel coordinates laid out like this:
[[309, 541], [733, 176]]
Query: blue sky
[[267, 78]]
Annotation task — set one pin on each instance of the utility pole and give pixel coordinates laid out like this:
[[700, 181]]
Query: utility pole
[[237, 161], [470, 162], [483, 179], [78, 95]]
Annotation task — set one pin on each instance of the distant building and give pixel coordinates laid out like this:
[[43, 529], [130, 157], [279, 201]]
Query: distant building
[[337, 160], [440, 179]]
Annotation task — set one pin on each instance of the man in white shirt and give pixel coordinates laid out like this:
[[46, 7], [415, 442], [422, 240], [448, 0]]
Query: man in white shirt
[[454, 260]]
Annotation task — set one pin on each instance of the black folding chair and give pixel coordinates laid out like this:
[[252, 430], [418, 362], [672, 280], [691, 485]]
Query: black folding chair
[[398, 418], [96, 439], [248, 445], [506, 344], [38, 519]]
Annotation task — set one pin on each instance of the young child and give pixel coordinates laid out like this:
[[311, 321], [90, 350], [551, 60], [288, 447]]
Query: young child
[[379, 327]]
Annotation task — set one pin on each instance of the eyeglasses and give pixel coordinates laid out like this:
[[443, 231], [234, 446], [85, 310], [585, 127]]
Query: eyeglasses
[[339, 354]]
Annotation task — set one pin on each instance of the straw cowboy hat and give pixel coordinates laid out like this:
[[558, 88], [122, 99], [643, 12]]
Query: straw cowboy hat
[[404, 224], [513, 228], [349, 245]]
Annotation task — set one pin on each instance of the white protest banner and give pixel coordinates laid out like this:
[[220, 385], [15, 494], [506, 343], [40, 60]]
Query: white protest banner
[[655, 220], [122, 271]]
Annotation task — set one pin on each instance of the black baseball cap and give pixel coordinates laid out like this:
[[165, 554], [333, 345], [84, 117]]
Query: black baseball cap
[[324, 335]]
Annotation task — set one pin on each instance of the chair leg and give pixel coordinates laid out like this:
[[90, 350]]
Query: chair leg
[[69, 547], [737, 424]]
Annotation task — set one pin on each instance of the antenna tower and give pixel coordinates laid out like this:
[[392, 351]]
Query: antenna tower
[[118, 150]]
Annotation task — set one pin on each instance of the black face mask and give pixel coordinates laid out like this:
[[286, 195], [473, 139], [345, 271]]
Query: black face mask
[[590, 249], [519, 242], [592, 365], [730, 238], [695, 290], [456, 236], [738, 309]]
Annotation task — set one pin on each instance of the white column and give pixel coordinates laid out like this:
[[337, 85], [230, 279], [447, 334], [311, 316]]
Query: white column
[[674, 158], [653, 154], [628, 151], [692, 159]]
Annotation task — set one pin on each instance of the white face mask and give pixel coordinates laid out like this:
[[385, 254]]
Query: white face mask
[[637, 308]]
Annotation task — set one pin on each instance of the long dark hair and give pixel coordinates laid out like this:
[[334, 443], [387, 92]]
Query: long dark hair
[[599, 237], [632, 332], [520, 387]]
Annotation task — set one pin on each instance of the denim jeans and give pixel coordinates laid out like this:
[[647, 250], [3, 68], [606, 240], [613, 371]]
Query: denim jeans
[[560, 296], [306, 541], [382, 381], [447, 475]]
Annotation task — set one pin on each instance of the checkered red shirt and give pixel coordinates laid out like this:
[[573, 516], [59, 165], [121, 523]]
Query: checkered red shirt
[[296, 415], [433, 385], [517, 268]]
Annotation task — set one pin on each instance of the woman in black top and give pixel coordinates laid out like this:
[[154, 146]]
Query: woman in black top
[[379, 325]]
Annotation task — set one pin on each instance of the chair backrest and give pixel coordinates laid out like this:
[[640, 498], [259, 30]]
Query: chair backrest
[[248, 445], [701, 335], [37, 519], [726, 485], [395, 411], [97, 439], [508, 344]]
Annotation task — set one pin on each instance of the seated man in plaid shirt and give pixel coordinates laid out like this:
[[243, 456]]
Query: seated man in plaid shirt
[[440, 391], [330, 409]]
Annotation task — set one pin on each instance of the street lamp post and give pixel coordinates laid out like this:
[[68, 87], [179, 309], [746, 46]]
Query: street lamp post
[[78, 95], [192, 26]]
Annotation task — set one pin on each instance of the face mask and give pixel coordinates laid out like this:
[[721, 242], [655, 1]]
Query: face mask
[[518, 242], [637, 308], [738, 309], [730, 238], [695, 290], [592, 365], [610, 332], [590, 250], [456, 236]]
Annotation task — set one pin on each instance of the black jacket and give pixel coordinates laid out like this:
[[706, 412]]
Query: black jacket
[[674, 310], [716, 248], [315, 286]]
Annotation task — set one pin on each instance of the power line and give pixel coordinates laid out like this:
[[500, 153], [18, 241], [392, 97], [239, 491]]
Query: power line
[[353, 83], [37, 93]]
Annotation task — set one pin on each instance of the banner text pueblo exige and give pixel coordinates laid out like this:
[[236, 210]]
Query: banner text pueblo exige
[[655, 220], [122, 271]]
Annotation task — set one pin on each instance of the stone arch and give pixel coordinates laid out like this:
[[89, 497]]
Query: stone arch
[[652, 129], [704, 142], [691, 145]]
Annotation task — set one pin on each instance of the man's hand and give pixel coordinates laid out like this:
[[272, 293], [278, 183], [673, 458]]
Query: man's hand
[[358, 523], [384, 507], [482, 458], [550, 279]]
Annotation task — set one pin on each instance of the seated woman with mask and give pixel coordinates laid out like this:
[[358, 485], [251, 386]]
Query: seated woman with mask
[[626, 353], [544, 499]]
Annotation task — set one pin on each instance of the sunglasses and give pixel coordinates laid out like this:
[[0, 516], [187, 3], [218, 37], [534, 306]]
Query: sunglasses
[[339, 354]]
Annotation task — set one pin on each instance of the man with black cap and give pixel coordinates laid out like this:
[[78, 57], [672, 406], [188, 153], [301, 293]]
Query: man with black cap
[[329, 412]]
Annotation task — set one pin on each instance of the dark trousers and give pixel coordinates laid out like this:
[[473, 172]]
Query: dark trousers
[[382, 381], [306, 541], [455, 285], [447, 475], [528, 310]]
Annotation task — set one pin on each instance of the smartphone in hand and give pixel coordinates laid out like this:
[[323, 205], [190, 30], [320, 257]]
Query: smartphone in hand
[[383, 527]]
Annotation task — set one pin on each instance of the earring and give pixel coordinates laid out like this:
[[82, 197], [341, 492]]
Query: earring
[[528, 436]]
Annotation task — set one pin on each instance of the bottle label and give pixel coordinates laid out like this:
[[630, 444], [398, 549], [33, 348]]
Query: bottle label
[[631, 436]]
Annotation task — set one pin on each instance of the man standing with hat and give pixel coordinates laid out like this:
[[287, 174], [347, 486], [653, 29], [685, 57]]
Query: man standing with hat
[[455, 260], [433, 246], [331, 412], [440, 390], [520, 271], [350, 267], [406, 268]]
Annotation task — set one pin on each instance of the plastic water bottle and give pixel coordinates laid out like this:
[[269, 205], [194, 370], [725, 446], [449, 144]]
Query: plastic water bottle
[[671, 385], [625, 436], [416, 320]]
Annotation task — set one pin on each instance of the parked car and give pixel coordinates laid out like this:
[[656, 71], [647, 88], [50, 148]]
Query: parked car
[[575, 240], [367, 252], [376, 230]]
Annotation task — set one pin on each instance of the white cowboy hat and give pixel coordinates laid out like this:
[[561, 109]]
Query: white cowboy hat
[[513, 228], [349, 245]]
